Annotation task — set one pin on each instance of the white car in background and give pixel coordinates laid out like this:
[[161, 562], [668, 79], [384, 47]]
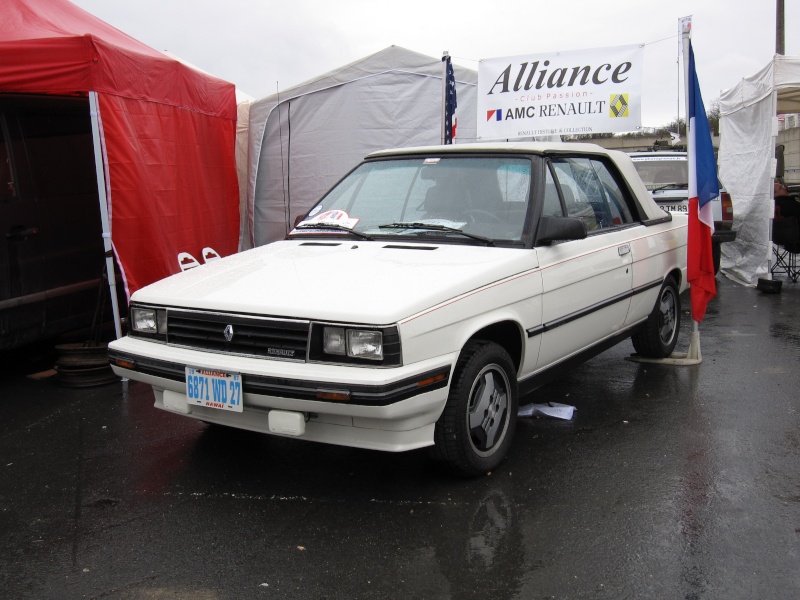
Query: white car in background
[[415, 303], [666, 175]]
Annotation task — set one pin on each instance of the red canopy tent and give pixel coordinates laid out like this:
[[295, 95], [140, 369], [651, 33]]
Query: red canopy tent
[[164, 133]]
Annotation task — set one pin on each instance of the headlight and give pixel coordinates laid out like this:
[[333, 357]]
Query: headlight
[[148, 320], [356, 343], [334, 341], [365, 344], [345, 344], [144, 320]]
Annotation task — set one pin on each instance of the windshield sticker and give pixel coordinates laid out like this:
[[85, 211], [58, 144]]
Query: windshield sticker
[[335, 217], [431, 161]]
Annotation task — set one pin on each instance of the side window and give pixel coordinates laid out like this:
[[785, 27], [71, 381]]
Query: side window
[[618, 210], [572, 175], [552, 204], [592, 194]]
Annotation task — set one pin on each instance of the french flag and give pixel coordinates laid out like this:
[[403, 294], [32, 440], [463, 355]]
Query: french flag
[[703, 188]]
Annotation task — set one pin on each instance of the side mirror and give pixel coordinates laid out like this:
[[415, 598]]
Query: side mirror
[[553, 229]]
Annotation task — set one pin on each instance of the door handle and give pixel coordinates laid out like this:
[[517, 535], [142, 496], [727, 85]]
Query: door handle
[[21, 233], [623, 250]]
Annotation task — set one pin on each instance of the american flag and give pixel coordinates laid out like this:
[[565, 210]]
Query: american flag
[[703, 188], [450, 103]]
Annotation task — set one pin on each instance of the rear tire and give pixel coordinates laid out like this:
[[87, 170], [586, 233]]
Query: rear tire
[[476, 428], [716, 254], [659, 335]]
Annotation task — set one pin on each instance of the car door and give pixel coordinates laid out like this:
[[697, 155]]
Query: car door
[[586, 283], [21, 275]]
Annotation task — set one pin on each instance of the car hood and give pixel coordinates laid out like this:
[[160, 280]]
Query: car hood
[[358, 282]]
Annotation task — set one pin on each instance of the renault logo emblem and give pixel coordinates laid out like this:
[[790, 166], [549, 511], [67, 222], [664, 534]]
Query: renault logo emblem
[[228, 333]]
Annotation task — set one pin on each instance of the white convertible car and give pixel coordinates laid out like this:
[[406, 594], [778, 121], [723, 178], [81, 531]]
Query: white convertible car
[[418, 300]]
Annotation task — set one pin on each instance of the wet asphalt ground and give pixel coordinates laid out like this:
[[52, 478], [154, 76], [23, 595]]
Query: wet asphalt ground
[[669, 482]]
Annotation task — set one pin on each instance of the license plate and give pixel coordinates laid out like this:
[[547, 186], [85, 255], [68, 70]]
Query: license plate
[[675, 207], [214, 389]]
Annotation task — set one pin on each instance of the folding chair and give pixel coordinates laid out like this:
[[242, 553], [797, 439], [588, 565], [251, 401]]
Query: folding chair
[[187, 261], [209, 254], [785, 247]]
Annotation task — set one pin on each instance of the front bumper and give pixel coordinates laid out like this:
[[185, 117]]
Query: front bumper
[[392, 409]]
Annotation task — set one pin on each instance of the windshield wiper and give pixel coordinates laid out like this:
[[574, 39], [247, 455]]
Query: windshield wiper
[[674, 186], [334, 227], [437, 227]]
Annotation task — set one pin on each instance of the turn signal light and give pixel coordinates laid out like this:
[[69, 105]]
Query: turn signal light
[[431, 380], [333, 395]]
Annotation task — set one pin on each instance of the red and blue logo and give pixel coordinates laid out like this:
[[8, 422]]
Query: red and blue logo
[[496, 114]]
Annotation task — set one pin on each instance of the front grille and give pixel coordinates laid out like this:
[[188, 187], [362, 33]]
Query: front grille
[[273, 338]]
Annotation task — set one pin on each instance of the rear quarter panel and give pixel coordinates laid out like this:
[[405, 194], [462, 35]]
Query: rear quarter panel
[[657, 252]]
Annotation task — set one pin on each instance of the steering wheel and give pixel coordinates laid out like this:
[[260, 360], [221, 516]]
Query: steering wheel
[[474, 212]]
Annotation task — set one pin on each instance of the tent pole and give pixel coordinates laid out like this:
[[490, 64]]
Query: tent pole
[[768, 283], [774, 170], [94, 109]]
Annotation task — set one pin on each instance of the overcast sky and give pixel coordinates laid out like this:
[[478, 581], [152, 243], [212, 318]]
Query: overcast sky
[[264, 46]]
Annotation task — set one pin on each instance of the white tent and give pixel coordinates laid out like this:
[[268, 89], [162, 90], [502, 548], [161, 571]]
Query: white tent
[[748, 133], [304, 139]]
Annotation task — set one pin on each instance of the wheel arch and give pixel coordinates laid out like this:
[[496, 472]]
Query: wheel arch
[[677, 275], [508, 334]]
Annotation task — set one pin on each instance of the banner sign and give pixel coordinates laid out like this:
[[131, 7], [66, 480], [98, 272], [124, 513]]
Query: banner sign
[[580, 91]]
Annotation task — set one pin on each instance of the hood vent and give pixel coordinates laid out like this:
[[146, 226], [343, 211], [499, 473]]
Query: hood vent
[[328, 244], [402, 247]]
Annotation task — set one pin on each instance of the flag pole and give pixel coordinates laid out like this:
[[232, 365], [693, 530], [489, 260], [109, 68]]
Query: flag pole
[[694, 353], [693, 356], [445, 56]]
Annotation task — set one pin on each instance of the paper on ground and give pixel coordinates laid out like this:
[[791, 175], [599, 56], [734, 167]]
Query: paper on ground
[[551, 409]]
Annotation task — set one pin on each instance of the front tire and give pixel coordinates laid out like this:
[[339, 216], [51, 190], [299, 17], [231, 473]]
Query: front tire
[[659, 335], [476, 428]]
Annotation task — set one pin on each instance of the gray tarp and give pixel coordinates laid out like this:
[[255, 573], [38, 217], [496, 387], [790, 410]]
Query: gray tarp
[[748, 132], [304, 139]]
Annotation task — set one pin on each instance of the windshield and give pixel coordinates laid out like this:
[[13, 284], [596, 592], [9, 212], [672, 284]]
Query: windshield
[[464, 199], [661, 172]]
